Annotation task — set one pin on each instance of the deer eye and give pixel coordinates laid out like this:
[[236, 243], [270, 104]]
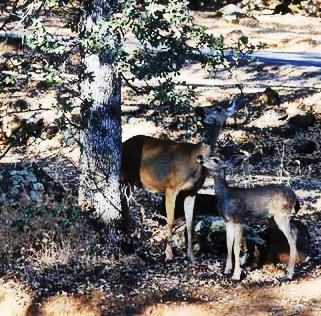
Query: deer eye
[[199, 159], [216, 160]]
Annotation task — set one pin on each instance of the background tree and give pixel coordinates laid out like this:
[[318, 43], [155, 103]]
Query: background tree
[[100, 134]]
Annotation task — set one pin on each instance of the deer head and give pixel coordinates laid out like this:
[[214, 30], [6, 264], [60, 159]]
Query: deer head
[[216, 163], [218, 114], [214, 118]]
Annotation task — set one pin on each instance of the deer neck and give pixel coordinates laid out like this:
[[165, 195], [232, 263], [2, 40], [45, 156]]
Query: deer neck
[[210, 135], [220, 184]]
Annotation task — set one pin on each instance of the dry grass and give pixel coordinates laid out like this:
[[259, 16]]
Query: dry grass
[[51, 254], [47, 237]]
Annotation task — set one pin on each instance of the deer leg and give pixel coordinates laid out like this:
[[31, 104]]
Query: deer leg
[[170, 198], [283, 222], [237, 248], [229, 243], [188, 209]]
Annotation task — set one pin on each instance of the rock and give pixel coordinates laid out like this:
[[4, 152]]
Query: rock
[[254, 4], [302, 120], [232, 9], [249, 21], [22, 104], [10, 125], [28, 182], [270, 97], [306, 147], [286, 6], [235, 35], [270, 118], [209, 235], [232, 13], [17, 129], [283, 7]]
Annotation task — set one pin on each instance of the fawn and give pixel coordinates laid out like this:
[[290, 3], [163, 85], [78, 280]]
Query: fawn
[[245, 205]]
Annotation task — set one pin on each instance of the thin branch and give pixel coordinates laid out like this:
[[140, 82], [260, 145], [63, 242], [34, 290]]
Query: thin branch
[[25, 111], [76, 126], [6, 150], [130, 85]]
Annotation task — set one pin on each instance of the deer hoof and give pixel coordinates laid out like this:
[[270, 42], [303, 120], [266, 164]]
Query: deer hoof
[[285, 278], [227, 271], [236, 276]]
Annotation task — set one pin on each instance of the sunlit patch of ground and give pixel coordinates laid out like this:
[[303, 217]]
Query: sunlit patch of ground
[[279, 32], [288, 299], [64, 305], [15, 297]]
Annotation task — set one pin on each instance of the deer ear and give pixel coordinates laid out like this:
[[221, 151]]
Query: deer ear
[[237, 159], [200, 111], [235, 105]]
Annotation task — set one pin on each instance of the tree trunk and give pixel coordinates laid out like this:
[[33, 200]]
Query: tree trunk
[[100, 137]]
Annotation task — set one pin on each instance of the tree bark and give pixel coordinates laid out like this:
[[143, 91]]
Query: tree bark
[[100, 136]]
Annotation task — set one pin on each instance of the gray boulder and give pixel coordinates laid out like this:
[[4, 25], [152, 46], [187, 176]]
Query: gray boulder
[[232, 13]]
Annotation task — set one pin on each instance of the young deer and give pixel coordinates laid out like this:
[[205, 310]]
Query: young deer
[[168, 167], [243, 205]]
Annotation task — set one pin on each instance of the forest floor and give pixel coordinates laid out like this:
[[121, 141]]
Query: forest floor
[[53, 262]]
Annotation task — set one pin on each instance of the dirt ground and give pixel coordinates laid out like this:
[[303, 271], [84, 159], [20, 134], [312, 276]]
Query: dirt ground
[[143, 284]]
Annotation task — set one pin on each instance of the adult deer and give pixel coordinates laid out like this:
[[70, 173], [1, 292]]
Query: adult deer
[[245, 205], [168, 167]]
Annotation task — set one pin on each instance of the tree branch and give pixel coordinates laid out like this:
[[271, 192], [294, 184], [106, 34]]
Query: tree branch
[[130, 85], [6, 150]]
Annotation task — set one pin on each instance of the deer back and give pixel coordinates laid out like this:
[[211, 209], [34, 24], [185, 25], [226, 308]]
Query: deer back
[[158, 164], [257, 203]]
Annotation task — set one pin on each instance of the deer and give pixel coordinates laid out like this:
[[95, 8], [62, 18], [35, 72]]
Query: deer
[[169, 167], [241, 206]]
